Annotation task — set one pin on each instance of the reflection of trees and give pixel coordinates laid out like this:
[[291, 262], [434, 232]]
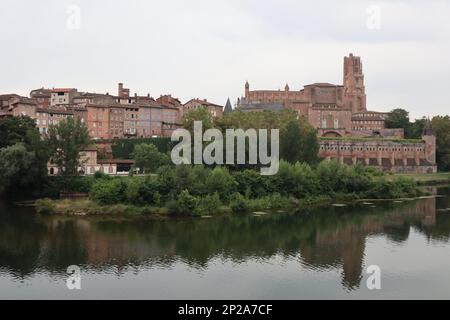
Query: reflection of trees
[[326, 238]]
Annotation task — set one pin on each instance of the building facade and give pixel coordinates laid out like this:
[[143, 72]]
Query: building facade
[[335, 110], [194, 104], [349, 132]]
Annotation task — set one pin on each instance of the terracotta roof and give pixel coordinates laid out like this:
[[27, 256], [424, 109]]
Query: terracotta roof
[[63, 90], [204, 103], [115, 161], [46, 110]]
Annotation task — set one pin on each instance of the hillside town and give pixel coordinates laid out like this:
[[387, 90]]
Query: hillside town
[[349, 131], [106, 116]]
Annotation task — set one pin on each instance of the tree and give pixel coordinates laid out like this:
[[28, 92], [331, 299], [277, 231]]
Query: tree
[[200, 114], [397, 119], [15, 162], [415, 130], [148, 158], [299, 142], [23, 131], [66, 140], [441, 128]]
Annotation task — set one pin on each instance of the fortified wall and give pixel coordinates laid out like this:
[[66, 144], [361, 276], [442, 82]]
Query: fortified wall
[[398, 156]]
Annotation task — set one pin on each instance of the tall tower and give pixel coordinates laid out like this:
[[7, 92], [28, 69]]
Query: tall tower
[[247, 91], [354, 89], [430, 143]]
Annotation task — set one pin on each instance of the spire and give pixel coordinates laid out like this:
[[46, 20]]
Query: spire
[[287, 87], [228, 107]]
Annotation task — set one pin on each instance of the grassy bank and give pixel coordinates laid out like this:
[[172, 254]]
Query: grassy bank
[[201, 191], [426, 179]]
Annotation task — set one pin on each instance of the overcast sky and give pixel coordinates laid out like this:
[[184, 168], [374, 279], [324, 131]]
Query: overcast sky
[[208, 49]]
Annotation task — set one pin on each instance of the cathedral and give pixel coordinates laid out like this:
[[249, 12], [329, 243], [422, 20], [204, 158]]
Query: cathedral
[[335, 110], [349, 132]]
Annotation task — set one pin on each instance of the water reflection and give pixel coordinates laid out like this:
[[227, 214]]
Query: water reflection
[[325, 239]]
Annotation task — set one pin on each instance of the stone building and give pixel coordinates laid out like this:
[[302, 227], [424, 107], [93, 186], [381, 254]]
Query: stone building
[[90, 164], [335, 110], [193, 104], [62, 96], [404, 156], [349, 132]]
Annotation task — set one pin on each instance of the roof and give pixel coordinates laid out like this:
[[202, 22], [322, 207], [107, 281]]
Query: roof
[[322, 84], [24, 101], [276, 107], [55, 111], [204, 103], [8, 96], [63, 90], [115, 161]]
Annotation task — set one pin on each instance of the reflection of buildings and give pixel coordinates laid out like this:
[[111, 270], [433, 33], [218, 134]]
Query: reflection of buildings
[[347, 245], [325, 240]]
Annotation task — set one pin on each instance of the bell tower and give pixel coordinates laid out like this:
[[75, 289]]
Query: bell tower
[[355, 97], [430, 142]]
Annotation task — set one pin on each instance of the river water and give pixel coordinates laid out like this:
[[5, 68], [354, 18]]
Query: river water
[[312, 254]]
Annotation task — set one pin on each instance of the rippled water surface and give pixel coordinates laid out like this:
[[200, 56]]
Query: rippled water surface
[[321, 253]]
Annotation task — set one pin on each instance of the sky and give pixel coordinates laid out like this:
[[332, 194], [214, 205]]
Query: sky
[[209, 49]]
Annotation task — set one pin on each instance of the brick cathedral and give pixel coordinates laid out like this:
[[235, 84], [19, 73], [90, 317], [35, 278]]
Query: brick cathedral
[[350, 133]]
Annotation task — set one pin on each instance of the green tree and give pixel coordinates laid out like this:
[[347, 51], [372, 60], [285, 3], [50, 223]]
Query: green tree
[[148, 158], [221, 181], [398, 119], [15, 162], [441, 128], [200, 114], [66, 140], [299, 142], [415, 130], [23, 131]]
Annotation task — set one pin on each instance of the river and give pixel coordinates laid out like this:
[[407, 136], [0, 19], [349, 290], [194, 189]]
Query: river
[[311, 254]]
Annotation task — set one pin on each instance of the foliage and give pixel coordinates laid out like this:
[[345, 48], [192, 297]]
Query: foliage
[[148, 158], [299, 142], [398, 119], [14, 164], [238, 203], [200, 114], [124, 148], [109, 191], [441, 128], [221, 181], [209, 205], [186, 203], [66, 140], [196, 190], [22, 131], [45, 206]]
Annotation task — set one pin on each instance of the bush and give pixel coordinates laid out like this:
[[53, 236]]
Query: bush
[[108, 191], [101, 175], [238, 203], [221, 181], [45, 206], [186, 202], [209, 205]]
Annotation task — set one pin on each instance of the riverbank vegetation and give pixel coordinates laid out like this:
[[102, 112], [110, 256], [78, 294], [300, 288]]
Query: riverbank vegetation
[[202, 191]]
